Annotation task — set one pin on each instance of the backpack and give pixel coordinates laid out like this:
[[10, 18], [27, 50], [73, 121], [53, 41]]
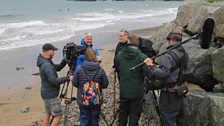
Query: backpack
[[155, 83], [146, 47], [91, 91]]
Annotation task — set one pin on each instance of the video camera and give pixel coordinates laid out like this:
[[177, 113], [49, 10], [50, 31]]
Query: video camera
[[71, 51]]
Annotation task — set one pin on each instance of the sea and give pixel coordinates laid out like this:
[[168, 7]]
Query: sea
[[28, 24], [31, 22]]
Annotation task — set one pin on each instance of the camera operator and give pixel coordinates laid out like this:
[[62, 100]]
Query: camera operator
[[50, 83], [88, 43], [172, 64]]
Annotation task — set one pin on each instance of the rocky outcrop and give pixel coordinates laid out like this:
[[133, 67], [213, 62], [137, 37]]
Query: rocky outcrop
[[192, 16], [204, 109], [204, 66], [217, 66], [200, 65]]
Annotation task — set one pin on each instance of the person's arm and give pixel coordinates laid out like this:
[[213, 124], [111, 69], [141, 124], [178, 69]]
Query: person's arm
[[165, 66], [51, 76], [80, 60], [144, 66], [115, 54], [104, 82], [97, 52], [116, 62], [60, 66], [75, 81]]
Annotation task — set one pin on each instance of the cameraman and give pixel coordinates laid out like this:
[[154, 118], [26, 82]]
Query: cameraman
[[88, 43], [172, 64], [50, 84]]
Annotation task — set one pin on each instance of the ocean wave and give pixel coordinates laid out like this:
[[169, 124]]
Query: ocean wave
[[32, 42], [161, 12], [16, 38], [2, 31], [96, 18], [22, 24], [10, 15], [45, 31], [102, 17], [109, 9], [29, 33]]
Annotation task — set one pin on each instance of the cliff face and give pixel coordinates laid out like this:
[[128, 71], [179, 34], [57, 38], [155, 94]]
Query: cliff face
[[204, 63]]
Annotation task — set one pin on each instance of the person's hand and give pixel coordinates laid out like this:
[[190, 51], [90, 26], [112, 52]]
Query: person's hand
[[71, 77], [99, 58], [148, 62]]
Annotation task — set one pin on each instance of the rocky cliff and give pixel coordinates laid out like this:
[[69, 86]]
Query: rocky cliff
[[204, 107]]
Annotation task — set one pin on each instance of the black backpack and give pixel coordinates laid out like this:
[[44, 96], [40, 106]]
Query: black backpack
[[146, 47]]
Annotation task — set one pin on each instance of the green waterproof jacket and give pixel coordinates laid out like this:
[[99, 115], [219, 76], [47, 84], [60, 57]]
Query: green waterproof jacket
[[131, 82]]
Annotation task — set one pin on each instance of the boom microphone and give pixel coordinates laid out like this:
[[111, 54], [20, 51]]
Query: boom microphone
[[205, 37]]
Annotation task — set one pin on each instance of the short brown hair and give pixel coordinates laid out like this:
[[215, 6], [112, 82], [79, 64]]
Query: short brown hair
[[124, 31], [133, 39], [90, 54]]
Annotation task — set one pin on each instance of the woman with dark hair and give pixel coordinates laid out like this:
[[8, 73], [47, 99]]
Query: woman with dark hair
[[90, 79]]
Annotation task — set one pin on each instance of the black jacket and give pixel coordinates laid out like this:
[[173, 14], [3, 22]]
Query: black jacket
[[80, 77], [120, 46], [50, 83], [170, 69]]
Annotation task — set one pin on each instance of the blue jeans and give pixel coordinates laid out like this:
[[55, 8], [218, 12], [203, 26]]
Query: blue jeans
[[89, 116]]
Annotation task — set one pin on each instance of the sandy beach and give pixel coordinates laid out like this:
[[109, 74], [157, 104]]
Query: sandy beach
[[12, 100]]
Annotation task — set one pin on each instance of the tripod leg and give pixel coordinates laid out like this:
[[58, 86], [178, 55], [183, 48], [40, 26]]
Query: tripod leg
[[51, 120], [104, 118], [115, 116], [157, 106], [65, 115], [114, 104]]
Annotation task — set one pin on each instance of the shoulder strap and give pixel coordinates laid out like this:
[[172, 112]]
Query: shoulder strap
[[178, 64], [93, 75], [97, 71], [85, 73], [176, 59]]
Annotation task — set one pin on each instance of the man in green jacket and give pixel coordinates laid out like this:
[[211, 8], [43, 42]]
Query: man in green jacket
[[131, 82]]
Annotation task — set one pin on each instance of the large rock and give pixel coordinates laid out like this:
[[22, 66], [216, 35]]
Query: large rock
[[200, 65], [217, 65], [204, 109], [159, 37], [220, 31], [192, 16], [196, 22], [186, 12]]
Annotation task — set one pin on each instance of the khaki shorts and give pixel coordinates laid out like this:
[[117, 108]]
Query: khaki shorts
[[53, 106]]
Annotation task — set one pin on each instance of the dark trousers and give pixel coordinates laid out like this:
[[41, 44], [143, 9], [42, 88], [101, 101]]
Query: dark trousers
[[89, 116], [172, 109], [129, 108]]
